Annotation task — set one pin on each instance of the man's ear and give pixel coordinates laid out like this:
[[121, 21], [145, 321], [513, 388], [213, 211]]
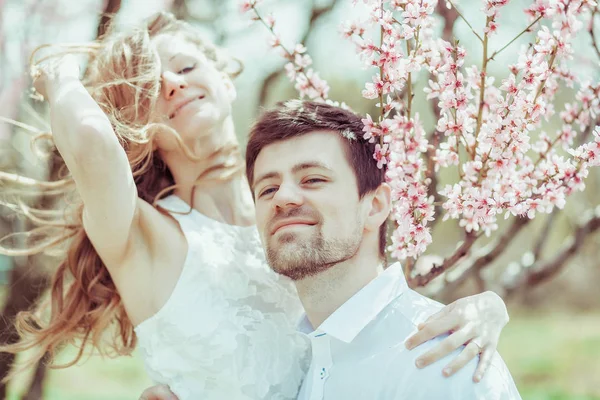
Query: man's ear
[[380, 207]]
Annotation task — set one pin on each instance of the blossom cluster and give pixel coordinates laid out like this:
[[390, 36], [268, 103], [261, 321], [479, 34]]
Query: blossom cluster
[[489, 130]]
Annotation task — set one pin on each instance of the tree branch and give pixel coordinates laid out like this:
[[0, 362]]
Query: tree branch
[[541, 271], [487, 255], [449, 262], [545, 232]]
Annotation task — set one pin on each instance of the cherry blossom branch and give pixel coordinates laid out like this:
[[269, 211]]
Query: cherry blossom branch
[[297, 62], [316, 14], [449, 16]]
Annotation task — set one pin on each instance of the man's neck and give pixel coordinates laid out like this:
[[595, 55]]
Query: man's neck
[[323, 294]]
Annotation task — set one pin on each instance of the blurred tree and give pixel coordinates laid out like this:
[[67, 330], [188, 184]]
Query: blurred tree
[[27, 280]]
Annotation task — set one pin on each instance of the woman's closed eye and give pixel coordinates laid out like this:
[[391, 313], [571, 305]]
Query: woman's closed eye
[[187, 69]]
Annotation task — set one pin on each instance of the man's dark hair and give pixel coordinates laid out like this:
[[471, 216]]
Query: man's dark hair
[[295, 118]]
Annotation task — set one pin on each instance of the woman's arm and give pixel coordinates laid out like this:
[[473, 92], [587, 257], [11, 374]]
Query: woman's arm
[[474, 321], [86, 141]]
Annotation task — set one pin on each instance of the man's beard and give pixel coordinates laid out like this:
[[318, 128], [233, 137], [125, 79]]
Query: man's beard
[[296, 257]]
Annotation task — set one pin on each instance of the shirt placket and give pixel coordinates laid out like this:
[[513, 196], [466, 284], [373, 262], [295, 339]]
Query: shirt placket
[[321, 349]]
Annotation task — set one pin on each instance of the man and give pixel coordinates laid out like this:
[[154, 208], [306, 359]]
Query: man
[[321, 207]]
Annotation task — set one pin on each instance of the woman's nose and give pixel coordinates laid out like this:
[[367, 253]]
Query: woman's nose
[[172, 83]]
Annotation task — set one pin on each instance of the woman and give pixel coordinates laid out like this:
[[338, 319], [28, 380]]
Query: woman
[[184, 274]]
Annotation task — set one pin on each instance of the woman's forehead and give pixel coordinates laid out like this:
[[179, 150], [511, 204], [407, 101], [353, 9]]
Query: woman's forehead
[[169, 45]]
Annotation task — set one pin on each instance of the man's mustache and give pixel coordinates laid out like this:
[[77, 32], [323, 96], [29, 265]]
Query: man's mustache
[[297, 212]]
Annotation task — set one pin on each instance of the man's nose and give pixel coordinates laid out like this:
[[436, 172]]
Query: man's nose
[[288, 196]]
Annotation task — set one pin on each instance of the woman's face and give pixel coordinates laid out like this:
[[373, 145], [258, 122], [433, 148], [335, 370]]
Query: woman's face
[[195, 97]]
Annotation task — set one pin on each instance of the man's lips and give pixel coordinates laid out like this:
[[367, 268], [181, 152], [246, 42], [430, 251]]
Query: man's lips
[[291, 223]]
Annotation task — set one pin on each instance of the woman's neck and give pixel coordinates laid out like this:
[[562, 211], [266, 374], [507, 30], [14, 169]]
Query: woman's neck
[[215, 183]]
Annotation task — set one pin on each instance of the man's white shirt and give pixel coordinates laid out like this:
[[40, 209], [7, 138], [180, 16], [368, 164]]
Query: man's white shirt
[[359, 352]]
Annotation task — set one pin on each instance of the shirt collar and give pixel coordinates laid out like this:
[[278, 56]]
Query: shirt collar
[[351, 318]]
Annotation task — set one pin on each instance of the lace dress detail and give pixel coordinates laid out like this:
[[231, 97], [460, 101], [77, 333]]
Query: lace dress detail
[[228, 329]]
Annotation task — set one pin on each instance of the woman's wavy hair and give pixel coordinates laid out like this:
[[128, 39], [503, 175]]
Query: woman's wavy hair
[[83, 306]]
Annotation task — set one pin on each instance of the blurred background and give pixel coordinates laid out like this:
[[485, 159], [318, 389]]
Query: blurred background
[[552, 343]]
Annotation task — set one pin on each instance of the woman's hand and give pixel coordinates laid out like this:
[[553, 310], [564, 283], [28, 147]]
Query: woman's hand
[[474, 321], [48, 75]]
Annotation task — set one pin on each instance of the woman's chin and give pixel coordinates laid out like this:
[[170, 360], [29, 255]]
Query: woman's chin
[[212, 120]]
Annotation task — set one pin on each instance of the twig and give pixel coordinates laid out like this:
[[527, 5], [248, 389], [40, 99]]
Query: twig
[[481, 91], [515, 38], [408, 83], [591, 30], [381, 35], [588, 130], [464, 19]]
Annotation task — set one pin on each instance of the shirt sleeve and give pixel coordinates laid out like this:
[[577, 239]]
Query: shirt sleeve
[[497, 383], [429, 383]]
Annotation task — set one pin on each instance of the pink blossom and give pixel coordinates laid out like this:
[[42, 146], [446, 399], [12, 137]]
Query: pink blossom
[[491, 28], [370, 129], [381, 154], [247, 5]]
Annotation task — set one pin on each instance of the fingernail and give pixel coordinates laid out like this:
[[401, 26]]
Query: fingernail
[[477, 378], [446, 371], [419, 363], [408, 344]]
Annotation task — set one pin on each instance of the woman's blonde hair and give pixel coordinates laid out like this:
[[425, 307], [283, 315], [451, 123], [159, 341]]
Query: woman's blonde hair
[[123, 77]]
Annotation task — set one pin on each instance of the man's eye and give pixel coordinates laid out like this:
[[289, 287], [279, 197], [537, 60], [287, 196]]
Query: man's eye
[[187, 69], [314, 180], [266, 192]]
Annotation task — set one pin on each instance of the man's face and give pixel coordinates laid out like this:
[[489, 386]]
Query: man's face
[[307, 207]]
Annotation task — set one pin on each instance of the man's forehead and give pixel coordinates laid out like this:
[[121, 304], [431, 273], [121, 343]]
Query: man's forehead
[[317, 146]]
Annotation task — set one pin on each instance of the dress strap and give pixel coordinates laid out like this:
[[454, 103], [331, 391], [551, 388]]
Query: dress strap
[[179, 210]]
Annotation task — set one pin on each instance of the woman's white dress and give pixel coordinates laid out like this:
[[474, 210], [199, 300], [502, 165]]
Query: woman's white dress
[[228, 331]]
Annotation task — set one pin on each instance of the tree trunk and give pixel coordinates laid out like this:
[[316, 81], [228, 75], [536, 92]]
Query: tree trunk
[[25, 289]]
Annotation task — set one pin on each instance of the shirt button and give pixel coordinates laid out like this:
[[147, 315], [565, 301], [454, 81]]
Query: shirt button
[[324, 373]]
